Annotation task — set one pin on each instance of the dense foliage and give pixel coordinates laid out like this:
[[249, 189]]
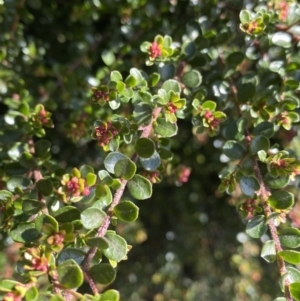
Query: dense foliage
[[149, 150]]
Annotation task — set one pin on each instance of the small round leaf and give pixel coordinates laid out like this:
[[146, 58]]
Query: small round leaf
[[126, 211], [249, 185], [256, 227], [92, 218], [125, 169], [145, 147], [103, 273], [233, 150], [117, 249], [70, 274], [281, 199], [139, 187]]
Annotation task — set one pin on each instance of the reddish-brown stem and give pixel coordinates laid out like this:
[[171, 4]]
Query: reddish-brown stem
[[264, 194], [146, 132]]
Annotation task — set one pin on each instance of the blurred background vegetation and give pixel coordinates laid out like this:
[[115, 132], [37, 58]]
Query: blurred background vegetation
[[189, 241]]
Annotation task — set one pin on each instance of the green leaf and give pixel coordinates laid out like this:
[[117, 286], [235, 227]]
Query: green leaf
[[92, 218], [139, 187], [189, 50], [91, 179], [18, 184], [245, 16], [116, 76], [233, 150], [256, 227], [126, 211], [117, 249], [67, 214], [171, 85], [32, 294], [130, 81], [290, 237], [27, 160], [165, 128], [292, 275], [249, 185], [290, 256], [268, 252], [99, 242], [235, 58], [24, 232], [192, 79], [70, 274], [103, 273], [7, 285], [167, 71], [6, 196], [264, 128], [110, 295], [85, 170], [31, 206], [108, 57], [276, 183], [145, 147], [259, 143], [246, 92], [295, 290], [209, 105], [282, 39], [104, 195], [45, 186], [154, 79], [111, 160], [105, 177], [17, 150], [46, 221], [281, 199], [71, 253], [42, 148], [151, 163], [142, 113], [125, 169]]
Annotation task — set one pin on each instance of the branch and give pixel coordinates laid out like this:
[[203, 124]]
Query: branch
[[146, 132], [264, 194]]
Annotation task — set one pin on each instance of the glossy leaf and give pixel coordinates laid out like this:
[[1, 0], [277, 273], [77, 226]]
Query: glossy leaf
[[290, 256], [31, 206], [104, 195], [259, 143], [125, 169], [24, 232], [71, 253], [32, 294], [233, 150], [103, 273], [117, 249], [281, 199], [256, 227], [165, 128], [70, 274], [126, 211], [45, 186], [192, 79], [99, 242], [139, 187], [111, 160], [67, 214], [290, 237], [249, 185], [18, 183], [92, 218], [5, 196], [151, 163], [171, 85], [268, 252], [276, 183], [145, 147], [27, 160]]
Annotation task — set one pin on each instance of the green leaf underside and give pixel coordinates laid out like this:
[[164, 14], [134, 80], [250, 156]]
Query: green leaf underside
[[117, 249], [139, 187], [103, 273], [126, 211], [70, 274], [256, 226]]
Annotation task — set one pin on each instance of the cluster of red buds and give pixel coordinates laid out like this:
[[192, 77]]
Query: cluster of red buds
[[154, 51], [249, 207], [36, 260], [41, 117], [105, 132], [74, 187], [101, 95], [283, 8], [171, 107], [210, 119], [182, 174]]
